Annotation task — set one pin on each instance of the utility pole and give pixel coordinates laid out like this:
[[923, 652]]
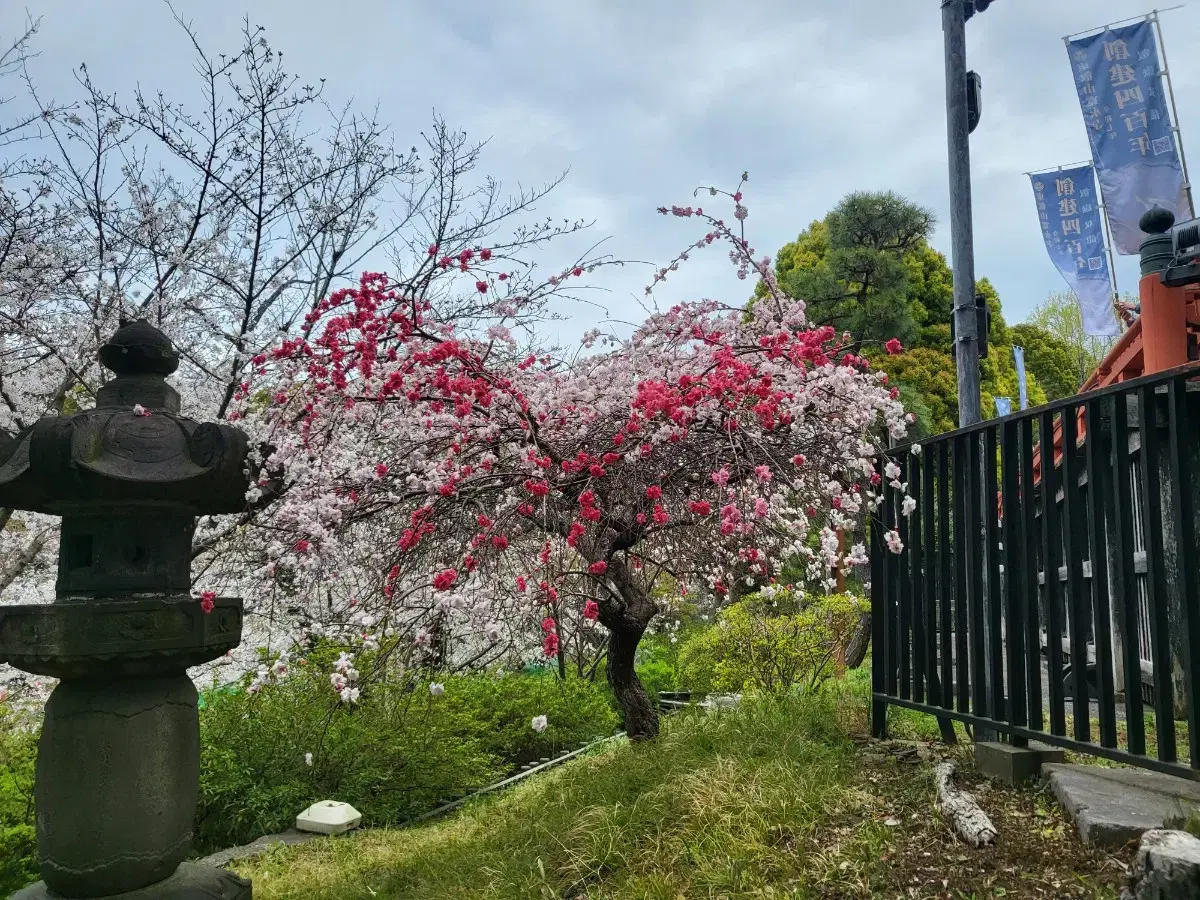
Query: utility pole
[[962, 252]]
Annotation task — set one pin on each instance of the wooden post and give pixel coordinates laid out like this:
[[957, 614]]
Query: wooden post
[[1164, 324]]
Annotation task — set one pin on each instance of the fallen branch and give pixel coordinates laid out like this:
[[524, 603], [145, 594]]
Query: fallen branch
[[965, 815]]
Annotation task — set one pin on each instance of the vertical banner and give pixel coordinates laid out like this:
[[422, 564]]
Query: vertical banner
[[1070, 216], [1003, 406], [1022, 387], [1119, 82]]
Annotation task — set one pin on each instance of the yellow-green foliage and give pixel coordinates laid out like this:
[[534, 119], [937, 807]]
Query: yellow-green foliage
[[762, 645], [930, 374]]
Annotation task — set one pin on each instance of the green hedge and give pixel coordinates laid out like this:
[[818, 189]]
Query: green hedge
[[397, 753], [18, 750]]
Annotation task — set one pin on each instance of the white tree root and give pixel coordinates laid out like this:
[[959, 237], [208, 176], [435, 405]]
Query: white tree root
[[964, 814]]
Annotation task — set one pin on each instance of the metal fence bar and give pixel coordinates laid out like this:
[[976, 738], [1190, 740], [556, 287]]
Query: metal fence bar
[[1096, 449], [1074, 522], [1014, 557], [994, 610], [972, 526], [945, 581], [1051, 560], [1150, 464], [1028, 568], [929, 598], [904, 597], [1121, 550], [961, 561], [881, 658], [891, 571], [916, 563]]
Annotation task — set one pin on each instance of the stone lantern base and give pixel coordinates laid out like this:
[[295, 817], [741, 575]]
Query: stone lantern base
[[191, 881], [118, 762]]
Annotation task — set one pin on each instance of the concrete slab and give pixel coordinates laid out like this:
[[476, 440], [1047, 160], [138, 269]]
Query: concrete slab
[[191, 881], [1114, 806], [1014, 765]]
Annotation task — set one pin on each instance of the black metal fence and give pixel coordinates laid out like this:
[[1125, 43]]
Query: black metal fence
[[1051, 595]]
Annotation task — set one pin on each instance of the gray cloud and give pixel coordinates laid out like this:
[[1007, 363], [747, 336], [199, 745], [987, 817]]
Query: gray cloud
[[645, 100]]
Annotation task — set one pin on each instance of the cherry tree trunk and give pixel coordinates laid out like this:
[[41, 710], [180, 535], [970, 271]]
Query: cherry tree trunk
[[856, 649], [626, 622], [641, 716]]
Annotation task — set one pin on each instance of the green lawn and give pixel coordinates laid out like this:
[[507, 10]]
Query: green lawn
[[777, 799]]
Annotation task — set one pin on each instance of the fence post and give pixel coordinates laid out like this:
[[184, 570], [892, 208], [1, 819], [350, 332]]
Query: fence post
[[879, 620]]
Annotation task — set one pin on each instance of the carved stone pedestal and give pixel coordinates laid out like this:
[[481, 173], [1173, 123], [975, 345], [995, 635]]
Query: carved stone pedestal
[[117, 779]]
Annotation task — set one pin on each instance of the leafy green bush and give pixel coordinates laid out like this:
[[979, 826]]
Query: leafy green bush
[[496, 712], [769, 645], [394, 755], [255, 775], [656, 665], [18, 857]]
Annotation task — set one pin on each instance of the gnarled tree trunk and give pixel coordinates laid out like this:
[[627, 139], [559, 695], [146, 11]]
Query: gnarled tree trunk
[[856, 649], [641, 716], [626, 622]]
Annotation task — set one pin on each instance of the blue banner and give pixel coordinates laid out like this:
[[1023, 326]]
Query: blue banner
[[1003, 406], [1069, 212], [1120, 89], [1022, 387]]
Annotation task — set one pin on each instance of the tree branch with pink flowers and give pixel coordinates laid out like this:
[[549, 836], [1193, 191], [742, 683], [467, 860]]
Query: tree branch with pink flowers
[[714, 442]]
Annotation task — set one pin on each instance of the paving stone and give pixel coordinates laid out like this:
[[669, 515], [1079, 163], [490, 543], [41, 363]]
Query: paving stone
[[1114, 806]]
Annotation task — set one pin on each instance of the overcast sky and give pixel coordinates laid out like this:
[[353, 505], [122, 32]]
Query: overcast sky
[[643, 100]]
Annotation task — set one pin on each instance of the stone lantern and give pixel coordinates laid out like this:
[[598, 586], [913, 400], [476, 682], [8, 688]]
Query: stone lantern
[[119, 758]]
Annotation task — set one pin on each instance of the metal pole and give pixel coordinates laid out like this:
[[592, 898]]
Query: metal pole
[[1108, 248], [966, 348], [962, 252], [1112, 262], [1166, 74]]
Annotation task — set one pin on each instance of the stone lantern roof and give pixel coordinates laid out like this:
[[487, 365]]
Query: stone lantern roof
[[132, 449]]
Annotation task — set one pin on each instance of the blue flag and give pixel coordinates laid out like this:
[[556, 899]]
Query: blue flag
[[1070, 215], [1003, 406], [1022, 388], [1120, 87]]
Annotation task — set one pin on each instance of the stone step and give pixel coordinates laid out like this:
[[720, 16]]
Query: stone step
[[1114, 806]]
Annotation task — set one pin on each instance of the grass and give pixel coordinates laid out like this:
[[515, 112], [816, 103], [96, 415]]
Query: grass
[[1182, 741], [781, 798]]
